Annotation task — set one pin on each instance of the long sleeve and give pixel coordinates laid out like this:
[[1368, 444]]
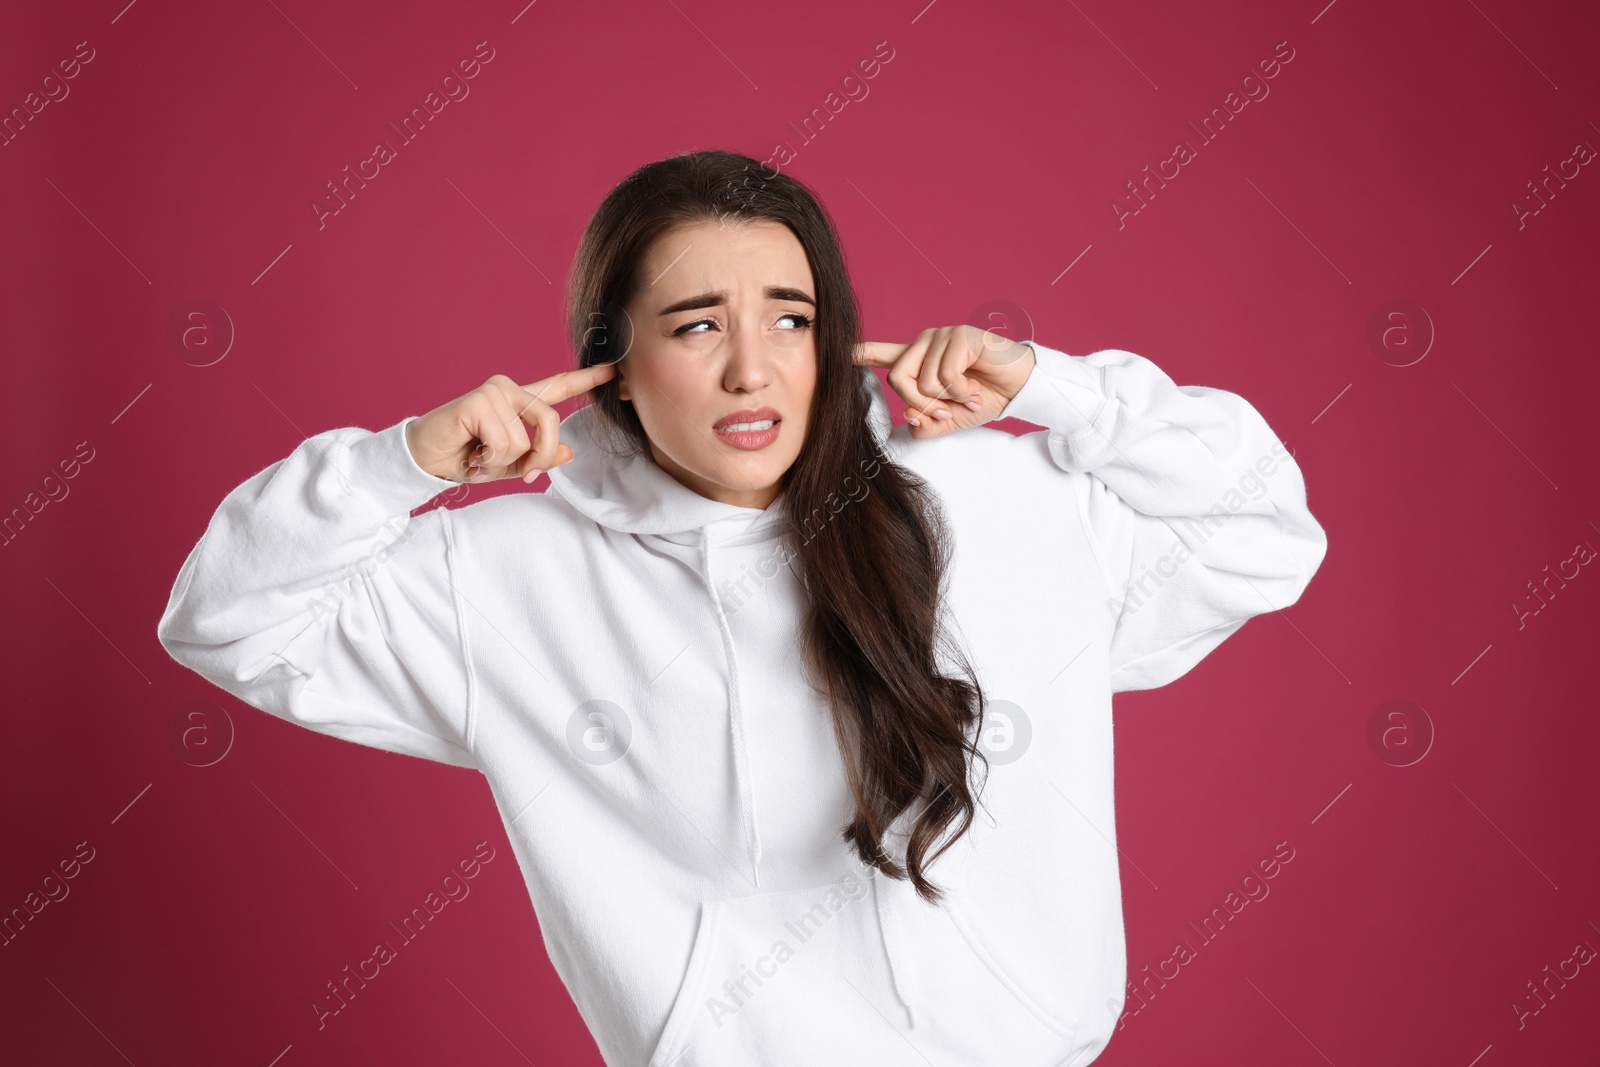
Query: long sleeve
[[314, 595], [1195, 509]]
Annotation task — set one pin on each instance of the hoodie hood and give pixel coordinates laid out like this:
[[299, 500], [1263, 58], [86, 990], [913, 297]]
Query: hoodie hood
[[635, 496]]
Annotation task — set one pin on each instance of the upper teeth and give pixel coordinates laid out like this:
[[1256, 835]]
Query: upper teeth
[[746, 427]]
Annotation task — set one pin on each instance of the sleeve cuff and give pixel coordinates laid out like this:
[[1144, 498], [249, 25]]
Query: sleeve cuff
[[387, 472], [1064, 394]]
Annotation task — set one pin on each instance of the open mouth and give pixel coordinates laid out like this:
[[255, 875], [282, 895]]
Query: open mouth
[[748, 432]]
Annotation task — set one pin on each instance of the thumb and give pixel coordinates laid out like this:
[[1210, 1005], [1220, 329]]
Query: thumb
[[528, 471]]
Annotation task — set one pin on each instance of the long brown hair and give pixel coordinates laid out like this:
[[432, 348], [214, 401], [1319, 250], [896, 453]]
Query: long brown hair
[[873, 569]]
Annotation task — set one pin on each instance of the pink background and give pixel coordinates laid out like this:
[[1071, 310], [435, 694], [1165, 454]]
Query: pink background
[[1384, 165]]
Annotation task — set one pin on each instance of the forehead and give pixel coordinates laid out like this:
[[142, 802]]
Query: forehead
[[726, 254]]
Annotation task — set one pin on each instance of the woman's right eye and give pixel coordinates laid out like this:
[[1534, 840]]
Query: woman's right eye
[[698, 322]]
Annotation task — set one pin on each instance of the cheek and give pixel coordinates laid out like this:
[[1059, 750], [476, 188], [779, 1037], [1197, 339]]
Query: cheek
[[805, 387], [685, 399], [672, 404]]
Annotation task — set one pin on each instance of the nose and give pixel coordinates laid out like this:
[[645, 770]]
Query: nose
[[748, 369]]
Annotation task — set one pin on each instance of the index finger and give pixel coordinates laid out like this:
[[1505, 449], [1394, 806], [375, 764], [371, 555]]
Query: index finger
[[878, 353], [569, 383]]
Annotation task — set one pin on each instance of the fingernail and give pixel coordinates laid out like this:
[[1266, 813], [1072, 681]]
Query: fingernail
[[972, 405], [914, 421], [941, 413]]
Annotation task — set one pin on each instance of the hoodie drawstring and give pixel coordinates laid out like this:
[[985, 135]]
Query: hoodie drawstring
[[741, 760], [899, 976]]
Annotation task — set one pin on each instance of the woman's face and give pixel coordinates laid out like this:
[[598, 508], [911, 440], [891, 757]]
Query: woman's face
[[721, 325]]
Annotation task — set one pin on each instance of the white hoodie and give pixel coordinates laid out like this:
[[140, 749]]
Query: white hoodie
[[618, 656]]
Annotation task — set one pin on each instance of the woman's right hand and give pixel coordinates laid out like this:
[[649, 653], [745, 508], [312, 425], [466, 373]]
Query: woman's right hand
[[484, 435]]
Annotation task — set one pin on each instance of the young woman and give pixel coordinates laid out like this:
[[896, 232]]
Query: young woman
[[800, 724]]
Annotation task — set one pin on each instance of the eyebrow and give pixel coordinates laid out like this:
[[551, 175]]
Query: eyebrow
[[708, 300]]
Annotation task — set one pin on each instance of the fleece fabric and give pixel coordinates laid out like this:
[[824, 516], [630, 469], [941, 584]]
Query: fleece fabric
[[618, 656]]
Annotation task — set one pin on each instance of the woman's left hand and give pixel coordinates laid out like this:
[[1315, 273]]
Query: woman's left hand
[[951, 377]]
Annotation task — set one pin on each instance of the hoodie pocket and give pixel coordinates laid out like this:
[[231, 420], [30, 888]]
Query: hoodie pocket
[[805, 977], [795, 976], [970, 1003], [1009, 976]]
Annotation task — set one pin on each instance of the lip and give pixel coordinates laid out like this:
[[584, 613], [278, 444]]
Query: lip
[[746, 415], [748, 440]]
